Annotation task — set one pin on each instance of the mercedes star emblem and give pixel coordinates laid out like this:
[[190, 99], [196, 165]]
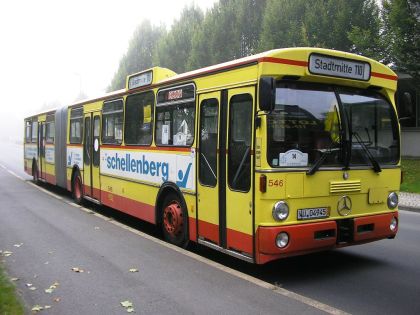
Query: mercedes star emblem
[[344, 205]]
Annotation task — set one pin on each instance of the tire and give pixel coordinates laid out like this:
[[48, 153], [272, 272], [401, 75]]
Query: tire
[[77, 188], [174, 221], [35, 174]]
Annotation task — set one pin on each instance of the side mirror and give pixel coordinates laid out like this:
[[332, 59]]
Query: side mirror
[[406, 107], [407, 103], [267, 93]]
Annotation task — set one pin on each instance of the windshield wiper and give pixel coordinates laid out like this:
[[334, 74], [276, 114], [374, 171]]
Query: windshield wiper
[[375, 164], [321, 159]]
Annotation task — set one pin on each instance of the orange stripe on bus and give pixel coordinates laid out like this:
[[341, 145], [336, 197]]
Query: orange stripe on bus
[[284, 61], [384, 76]]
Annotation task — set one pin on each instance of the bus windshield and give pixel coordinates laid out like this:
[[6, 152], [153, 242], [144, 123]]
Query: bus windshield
[[305, 126]]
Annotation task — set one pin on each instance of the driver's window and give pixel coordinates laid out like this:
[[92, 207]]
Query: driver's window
[[240, 138]]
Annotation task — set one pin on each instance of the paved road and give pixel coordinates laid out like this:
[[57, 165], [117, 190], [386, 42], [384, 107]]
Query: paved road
[[376, 278], [53, 237]]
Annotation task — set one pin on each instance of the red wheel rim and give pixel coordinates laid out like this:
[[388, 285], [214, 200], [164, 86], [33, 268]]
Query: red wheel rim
[[172, 218], [77, 188]]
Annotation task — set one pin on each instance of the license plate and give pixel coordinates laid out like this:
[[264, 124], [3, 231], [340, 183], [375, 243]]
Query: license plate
[[312, 213]]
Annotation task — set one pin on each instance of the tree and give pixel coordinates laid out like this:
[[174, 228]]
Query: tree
[[317, 23], [139, 55], [174, 48], [402, 25], [230, 30]]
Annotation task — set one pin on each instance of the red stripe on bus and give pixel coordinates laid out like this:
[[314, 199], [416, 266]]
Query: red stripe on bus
[[384, 76], [50, 178], [209, 231], [192, 227], [78, 145], [284, 61], [129, 206], [239, 241]]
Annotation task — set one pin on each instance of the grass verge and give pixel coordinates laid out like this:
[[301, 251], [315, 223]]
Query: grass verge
[[411, 180], [9, 301]]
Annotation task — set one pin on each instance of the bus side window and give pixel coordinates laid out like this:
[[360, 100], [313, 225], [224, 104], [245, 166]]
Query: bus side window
[[76, 125], [176, 124], [112, 122], [28, 129], [139, 118], [34, 135]]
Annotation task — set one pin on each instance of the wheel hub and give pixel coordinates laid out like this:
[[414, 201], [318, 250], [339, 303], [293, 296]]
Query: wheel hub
[[172, 219]]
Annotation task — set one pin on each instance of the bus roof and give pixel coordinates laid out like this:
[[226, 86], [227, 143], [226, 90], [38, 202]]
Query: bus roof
[[297, 57]]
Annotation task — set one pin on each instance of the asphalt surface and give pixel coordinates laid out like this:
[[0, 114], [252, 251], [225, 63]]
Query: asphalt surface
[[376, 278], [43, 239]]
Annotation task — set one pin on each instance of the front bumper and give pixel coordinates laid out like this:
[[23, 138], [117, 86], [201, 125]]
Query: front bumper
[[309, 237]]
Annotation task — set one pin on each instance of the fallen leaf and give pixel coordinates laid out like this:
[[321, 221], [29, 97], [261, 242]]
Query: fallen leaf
[[134, 270], [37, 308], [18, 245], [130, 310], [32, 288], [14, 279], [46, 263], [49, 253], [96, 227], [126, 304], [47, 307], [57, 299], [76, 269], [29, 285], [52, 288], [7, 253]]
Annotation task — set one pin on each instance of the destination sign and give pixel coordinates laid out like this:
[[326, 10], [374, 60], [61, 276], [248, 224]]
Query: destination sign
[[179, 94], [338, 67], [141, 79]]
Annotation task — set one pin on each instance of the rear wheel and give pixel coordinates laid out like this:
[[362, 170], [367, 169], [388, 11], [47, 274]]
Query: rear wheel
[[175, 221], [76, 188], [35, 175]]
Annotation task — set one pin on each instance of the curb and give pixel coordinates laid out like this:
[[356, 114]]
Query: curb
[[409, 208]]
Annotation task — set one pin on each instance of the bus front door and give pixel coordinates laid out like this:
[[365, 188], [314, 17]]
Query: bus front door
[[42, 140], [91, 159], [208, 169], [225, 164]]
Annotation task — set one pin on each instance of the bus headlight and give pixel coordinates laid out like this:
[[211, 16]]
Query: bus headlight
[[280, 211], [282, 239], [393, 224], [392, 200]]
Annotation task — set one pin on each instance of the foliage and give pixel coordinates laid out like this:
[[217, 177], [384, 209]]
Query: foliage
[[411, 182], [139, 54], [387, 31], [402, 25], [9, 302], [179, 40]]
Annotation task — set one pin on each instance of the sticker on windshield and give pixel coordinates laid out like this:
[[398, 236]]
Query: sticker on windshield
[[293, 158]]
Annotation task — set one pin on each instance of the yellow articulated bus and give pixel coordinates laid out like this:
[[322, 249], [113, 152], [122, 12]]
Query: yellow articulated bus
[[278, 154]]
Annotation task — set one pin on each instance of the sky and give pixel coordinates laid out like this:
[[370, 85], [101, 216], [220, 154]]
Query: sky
[[50, 51]]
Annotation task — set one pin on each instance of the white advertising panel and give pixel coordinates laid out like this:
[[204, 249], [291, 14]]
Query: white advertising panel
[[49, 154], [154, 167], [30, 151], [75, 157]]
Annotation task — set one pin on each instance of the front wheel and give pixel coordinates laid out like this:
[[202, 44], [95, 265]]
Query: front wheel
[[175, 221], [76, 188]]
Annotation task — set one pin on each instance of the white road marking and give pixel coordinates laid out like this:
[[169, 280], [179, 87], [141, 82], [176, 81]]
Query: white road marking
[[274, 288]]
